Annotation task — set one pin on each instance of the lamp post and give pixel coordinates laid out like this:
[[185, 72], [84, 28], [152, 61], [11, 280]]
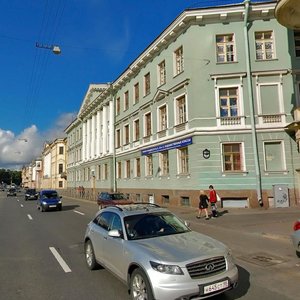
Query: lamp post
[[55, 49]]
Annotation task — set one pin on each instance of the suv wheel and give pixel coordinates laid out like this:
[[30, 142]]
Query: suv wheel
[[139, 286], [90, 256]]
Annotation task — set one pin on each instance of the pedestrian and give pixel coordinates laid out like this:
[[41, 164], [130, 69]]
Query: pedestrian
[[203, 205], [213, 201]]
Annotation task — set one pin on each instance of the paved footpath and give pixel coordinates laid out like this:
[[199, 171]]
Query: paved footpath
[[274, 223]]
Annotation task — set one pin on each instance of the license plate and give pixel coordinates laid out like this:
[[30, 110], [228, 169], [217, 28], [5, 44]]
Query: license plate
[[52, 205], [215, 287]]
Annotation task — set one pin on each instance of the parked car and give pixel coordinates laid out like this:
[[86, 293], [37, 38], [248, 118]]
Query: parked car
[[296, 237], [31, 194], [11, 192], [49, 199], [157, 255], [105, 199]]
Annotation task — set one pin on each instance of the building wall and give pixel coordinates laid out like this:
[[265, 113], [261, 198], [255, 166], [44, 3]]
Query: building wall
[[201, 82]]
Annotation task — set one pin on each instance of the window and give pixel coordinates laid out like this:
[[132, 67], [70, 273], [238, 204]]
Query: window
[[165, 199], [118, 138], [264, 45], [118, 105], [164, 163], [119, 169], [228, 101], [61, 150], [60, 168], [178, 60], [185, 201], [136, 129], [297, 42], [136, 93], [98, 172], [127, 169], [126, 100], [149, 165], [105, 172], [232, 157], [162, 73], [147, 124], [138, 167], [183, 161], [126, 134], [274, 156], [225, 48], [180, 110], [147, 84], [60, 184], [162, 113]]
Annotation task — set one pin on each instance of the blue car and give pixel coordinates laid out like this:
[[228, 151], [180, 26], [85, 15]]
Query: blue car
[[49, 199]]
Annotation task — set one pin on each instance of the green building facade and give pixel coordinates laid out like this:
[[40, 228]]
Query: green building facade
[[213, 100]]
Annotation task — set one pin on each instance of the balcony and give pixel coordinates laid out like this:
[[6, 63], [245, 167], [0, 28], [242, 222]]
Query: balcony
[[231, 121]]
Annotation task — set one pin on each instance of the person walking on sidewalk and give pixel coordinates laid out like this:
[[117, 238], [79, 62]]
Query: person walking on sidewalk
[[213, 201], [203, 205]]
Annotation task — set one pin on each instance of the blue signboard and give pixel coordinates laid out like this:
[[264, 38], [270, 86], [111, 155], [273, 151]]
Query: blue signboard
[[169, 146]]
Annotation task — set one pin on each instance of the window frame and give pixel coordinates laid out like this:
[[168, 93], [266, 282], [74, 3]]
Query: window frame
[[224, 44], [178, 114], [126, 100], [283, 156], [149, 165], [136, 130], [126, 133], [160, 117], [164, 163], [241, 154], [264, 41], [147, 84], [147, 121], [178, 61], [161, 73], [183, 168]]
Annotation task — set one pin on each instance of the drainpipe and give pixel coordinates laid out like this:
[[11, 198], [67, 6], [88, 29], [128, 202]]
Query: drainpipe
[[114, 146], [251, 100]]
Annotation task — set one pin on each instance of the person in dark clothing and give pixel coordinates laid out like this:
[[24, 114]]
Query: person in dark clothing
[[203, 205]]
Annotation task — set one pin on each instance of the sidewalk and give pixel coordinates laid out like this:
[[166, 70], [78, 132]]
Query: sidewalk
[[275, 223]]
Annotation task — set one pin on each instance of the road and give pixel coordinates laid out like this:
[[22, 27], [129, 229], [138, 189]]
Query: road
[[41, 254]]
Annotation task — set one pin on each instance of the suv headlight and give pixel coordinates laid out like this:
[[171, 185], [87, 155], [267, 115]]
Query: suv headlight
[[166, 269]]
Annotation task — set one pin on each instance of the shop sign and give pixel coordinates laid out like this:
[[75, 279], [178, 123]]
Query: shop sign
[[168, 146]]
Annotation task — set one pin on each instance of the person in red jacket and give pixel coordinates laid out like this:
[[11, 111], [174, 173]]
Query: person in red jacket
[[213, 201]]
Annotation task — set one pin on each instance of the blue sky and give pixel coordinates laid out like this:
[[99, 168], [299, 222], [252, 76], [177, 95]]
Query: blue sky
[[41, 92]]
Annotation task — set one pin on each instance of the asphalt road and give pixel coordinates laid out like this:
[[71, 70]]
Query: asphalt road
[[41, 254]]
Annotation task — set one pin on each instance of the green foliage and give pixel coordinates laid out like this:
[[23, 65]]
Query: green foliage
[[10, 176]]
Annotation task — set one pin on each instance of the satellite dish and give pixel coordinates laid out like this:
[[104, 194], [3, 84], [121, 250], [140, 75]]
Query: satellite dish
[[56, 50]]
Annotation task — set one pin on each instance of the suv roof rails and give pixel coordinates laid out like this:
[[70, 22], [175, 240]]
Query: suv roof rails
[[147, 203]]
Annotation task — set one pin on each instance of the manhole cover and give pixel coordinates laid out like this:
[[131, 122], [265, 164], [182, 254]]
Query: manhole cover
[[263, 259]]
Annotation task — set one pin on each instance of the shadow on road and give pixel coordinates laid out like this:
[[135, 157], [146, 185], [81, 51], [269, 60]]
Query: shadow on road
[[69, 207], [241, 290]]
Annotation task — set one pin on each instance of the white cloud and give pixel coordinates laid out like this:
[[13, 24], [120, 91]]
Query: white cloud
[[22, 149]]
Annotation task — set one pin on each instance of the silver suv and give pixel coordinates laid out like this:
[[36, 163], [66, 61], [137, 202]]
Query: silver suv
[[157, 255]]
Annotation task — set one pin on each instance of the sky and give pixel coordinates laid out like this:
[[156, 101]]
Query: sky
[[41, 92]]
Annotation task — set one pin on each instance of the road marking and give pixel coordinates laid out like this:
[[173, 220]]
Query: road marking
[[60, 260], [29, 217], [78, 212], [22, 205]]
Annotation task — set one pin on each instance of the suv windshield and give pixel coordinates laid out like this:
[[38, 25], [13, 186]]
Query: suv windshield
[[152, 225], [50, 195]]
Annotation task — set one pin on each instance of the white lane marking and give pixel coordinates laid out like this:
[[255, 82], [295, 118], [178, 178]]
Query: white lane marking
[[22, 205], [18, 200], [29, 217], [78, 212], [60, 260]]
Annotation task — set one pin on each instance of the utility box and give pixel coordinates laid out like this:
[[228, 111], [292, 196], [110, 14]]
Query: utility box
[[281, 195]]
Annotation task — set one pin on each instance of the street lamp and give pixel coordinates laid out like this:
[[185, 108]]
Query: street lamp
[[55, 49]]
